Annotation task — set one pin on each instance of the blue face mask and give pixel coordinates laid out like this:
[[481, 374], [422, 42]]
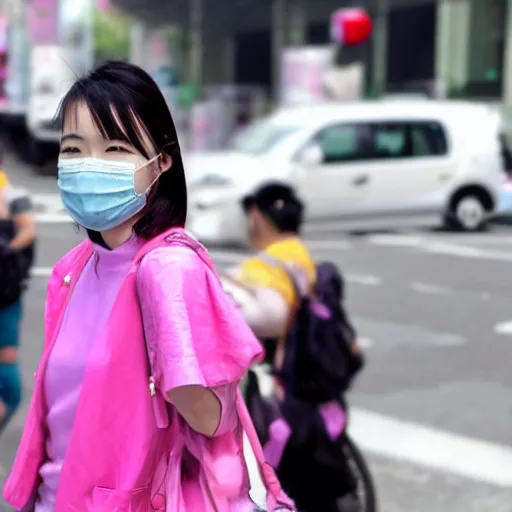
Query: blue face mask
[[100, 194]]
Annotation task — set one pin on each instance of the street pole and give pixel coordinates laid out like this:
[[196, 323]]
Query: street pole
[[507, 64], [196, 42], [380, 46], [278, 42], [297, 25]]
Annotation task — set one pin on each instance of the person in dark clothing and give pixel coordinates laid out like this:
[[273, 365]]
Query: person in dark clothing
[[17, 239]]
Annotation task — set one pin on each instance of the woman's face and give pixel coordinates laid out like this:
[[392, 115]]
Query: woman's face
[[82, 139]]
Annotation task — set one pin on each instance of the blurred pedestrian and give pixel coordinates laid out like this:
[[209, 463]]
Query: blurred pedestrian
[[295, 308], [135, 403], [275, 219], [17, 237]]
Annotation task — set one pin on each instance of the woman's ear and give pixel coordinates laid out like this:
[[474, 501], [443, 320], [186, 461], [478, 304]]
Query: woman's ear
[[165, 162]]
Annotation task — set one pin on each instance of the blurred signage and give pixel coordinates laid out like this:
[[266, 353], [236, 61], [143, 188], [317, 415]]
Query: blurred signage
[[17, 85], [103, 5], [3, 34], [346, 83], [42, 21], [162, 62], [303, 71], [350, 26], [201, 126], [3, 58]]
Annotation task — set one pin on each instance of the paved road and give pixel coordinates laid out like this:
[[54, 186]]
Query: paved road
[[433, 410]]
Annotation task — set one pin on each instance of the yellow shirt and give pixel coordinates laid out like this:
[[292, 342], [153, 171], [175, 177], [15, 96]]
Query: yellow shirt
[[3, 180], [291, 251]]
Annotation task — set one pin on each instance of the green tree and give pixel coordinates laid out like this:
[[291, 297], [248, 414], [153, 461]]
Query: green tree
[[111, 31]]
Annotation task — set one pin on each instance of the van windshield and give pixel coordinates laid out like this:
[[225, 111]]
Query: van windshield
[[261, 137]]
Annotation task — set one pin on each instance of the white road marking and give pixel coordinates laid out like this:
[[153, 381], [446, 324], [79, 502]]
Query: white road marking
[[503, 328], [451, 249], [41, 271], [53, 218], [365, 343], [396, 240], [432, 448], [435, 246], [428, 289], [326, 245], [364, 279]]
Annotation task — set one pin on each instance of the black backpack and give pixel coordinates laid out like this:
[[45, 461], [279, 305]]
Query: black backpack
[[320, 361]]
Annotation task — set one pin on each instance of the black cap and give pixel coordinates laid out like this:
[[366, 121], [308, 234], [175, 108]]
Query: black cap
[[278, 202]]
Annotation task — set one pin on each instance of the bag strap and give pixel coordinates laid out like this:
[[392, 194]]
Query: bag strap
[[299, 288], [275, 494]]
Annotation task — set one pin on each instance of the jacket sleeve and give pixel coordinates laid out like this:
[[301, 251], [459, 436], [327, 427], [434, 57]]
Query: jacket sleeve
[[194, 331]]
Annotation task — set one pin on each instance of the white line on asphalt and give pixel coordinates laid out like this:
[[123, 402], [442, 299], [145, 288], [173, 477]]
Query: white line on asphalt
[[436, 449], [429, 289], [364, 279], [52, 218], [41, 272], [365, 343], [396, 240], [433, 246], [503, 328], [328, 244]]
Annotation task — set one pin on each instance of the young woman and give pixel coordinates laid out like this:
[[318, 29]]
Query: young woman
[[135, 403], [17, 237]]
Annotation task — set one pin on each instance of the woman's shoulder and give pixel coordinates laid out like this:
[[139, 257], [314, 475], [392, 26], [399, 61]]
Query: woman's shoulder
[[173, 269], [176, 257]]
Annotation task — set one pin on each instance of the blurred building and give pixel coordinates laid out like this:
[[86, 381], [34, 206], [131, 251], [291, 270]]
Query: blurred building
[[458, 47]]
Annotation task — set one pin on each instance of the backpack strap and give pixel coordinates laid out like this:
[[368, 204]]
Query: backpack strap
[[300, 285]]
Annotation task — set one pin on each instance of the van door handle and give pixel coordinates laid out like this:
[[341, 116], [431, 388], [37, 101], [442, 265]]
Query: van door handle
[[361, 180]]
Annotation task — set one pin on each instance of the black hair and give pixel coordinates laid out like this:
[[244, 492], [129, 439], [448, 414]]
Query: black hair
[[126, 104], [278, 203]]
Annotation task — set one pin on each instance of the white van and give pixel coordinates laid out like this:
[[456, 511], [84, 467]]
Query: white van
[[364, 165]]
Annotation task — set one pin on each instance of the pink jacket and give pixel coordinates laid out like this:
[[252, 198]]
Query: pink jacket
[[126, 449]]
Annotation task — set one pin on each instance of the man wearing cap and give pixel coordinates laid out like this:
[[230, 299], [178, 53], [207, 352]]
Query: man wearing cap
[[17, 237]]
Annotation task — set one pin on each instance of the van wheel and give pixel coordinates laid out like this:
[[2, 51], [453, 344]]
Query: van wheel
[[468, 213]]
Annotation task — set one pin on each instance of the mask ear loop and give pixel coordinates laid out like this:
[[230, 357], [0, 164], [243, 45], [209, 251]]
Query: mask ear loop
[[162, 151]]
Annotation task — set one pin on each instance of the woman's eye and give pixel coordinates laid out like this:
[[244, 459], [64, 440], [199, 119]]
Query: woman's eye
[[117, 149], [69, 150]]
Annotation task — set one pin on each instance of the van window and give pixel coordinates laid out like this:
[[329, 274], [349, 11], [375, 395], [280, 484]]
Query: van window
[[408, 140], [390, 140], [345, 143], [428, 139]]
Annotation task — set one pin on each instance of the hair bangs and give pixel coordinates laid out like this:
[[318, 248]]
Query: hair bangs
[[112, 113]]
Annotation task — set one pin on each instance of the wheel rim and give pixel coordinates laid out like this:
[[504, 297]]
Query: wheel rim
[[470, 212], [355, 501]]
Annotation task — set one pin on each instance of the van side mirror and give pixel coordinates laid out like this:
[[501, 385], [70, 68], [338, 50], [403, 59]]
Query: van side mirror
[[312, 156]]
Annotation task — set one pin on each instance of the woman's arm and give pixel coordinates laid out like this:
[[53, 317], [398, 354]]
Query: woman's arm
[[266, 312], [25, 228], [199, 406], [25, 231], [209, 411]]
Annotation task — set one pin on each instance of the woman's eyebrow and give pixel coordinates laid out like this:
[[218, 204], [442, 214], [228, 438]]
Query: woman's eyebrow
[[69, 136]]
